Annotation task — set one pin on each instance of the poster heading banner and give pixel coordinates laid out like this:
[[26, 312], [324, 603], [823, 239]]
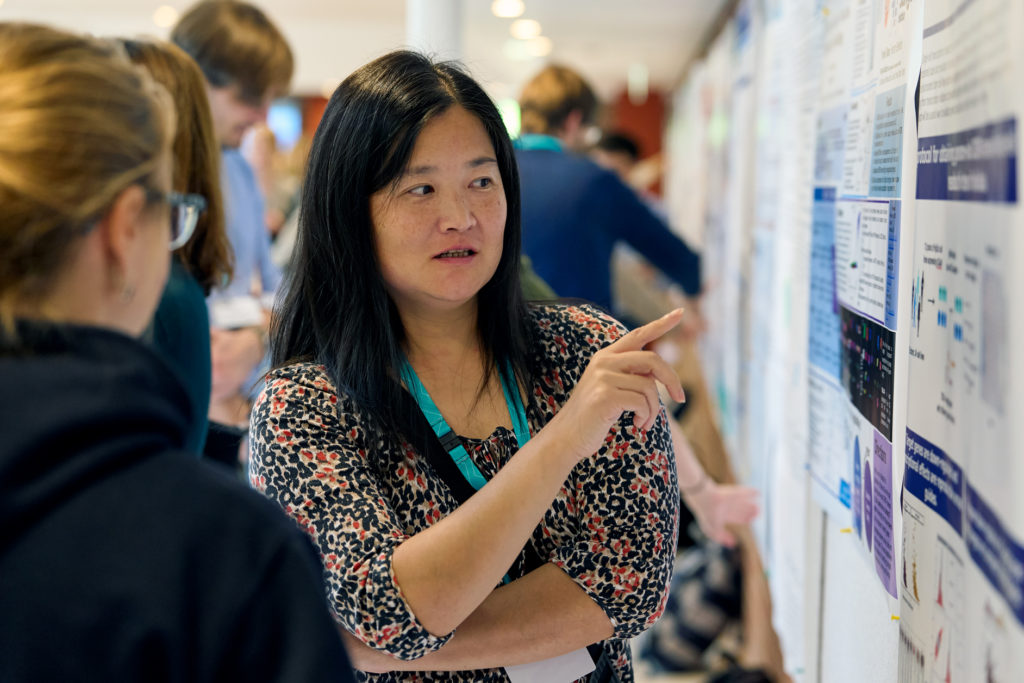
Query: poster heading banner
[[934, 479], [997, 554], [979, 165]]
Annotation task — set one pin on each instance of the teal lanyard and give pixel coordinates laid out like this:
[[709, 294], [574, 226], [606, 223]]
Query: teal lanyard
[[448, 438], [530, 141]]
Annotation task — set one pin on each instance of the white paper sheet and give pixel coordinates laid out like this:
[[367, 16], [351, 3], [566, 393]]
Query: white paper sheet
[[562, 669]]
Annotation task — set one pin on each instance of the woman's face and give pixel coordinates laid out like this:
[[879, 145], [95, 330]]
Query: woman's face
[[438, 232]]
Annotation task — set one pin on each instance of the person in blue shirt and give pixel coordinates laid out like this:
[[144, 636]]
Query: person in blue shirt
[[575, 211], [247, 64], [251, 246]]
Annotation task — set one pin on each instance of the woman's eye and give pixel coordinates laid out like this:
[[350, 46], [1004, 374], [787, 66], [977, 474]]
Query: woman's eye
[[421, 190], [483, 182]]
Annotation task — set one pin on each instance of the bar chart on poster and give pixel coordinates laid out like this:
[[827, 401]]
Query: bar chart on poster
[[867, 301]]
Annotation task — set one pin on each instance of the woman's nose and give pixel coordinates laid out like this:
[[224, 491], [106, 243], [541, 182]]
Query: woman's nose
[[456, 213]]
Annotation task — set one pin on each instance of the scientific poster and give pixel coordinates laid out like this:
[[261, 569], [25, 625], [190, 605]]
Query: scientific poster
[[962, 564], [739, 221], [686, 145], [866, 135], [721, 286], [827, 464], [874, 219], [865, 332], [797, 29], [764, 418]]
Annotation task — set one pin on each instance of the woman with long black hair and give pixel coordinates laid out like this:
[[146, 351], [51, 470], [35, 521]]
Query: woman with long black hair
[[491, 484]]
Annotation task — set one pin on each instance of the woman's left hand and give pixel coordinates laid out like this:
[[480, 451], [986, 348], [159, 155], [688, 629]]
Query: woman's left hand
[[717, 506]]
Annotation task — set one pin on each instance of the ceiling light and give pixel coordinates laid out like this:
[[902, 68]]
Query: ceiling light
[[524, 29], [507, 9], [539, 46], [165, 16], [524, 50]]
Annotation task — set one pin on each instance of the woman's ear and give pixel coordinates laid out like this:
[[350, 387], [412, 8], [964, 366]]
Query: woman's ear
[[120, 228]]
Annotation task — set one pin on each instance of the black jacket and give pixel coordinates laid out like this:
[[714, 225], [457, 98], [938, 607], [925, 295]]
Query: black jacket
[[123, 558]]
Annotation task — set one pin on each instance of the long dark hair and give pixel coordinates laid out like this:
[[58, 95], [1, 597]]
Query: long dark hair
[[335, 309]]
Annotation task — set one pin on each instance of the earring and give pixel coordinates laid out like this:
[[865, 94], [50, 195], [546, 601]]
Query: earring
[[127, 291]]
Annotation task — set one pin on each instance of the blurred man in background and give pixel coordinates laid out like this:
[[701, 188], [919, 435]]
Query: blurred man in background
[[574, 211], [247, 64]]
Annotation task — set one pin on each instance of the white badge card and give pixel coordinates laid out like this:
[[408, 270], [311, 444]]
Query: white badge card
[[562, 669]]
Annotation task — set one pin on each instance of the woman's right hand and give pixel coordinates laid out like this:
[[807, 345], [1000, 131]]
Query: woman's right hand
[[621, 377]]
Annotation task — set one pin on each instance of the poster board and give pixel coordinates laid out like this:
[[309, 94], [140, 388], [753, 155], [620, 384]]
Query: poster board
[[874, 327]]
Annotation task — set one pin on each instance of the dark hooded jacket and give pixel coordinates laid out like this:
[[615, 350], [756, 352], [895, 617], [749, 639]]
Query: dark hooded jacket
[[123, 558]]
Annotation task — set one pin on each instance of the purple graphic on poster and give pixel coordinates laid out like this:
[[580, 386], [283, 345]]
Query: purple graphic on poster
[[882, 514], [868, 516], [858, 487]]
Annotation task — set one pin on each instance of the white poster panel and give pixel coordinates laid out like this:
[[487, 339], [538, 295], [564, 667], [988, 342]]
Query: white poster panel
[[796, 556]]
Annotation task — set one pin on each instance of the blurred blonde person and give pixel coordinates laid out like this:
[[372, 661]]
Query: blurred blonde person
[[121, 559]]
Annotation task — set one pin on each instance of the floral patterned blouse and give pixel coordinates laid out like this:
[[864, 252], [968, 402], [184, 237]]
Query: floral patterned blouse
[[360, 493]]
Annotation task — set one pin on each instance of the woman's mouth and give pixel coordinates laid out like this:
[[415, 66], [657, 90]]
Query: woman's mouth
[[456, 253]]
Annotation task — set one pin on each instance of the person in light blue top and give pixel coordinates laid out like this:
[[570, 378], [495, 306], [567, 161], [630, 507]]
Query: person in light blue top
[[246, 63], [250, 241]]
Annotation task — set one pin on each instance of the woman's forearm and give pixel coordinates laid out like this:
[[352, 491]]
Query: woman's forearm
[[446, 572], [690, 473], [542, 615]]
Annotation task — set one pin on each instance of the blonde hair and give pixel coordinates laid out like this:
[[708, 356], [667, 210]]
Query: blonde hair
[[207, 255], [550, 96], [78, 124]]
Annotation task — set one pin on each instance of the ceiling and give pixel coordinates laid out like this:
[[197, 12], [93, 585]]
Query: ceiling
[[600, 38]]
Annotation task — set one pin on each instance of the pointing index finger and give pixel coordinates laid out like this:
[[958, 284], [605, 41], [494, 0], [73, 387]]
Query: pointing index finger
[[642, 336]]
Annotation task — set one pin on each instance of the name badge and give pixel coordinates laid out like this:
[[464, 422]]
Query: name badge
[[561, 669]]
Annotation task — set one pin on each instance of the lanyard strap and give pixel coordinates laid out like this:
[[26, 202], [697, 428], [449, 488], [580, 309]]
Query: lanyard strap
[[514, 401], [604, 672], [447, 436]]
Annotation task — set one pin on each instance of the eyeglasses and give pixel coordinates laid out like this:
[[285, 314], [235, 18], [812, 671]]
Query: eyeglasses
[[185, 212]]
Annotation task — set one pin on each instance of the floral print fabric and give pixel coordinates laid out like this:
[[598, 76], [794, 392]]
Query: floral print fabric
[[359, 494]]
